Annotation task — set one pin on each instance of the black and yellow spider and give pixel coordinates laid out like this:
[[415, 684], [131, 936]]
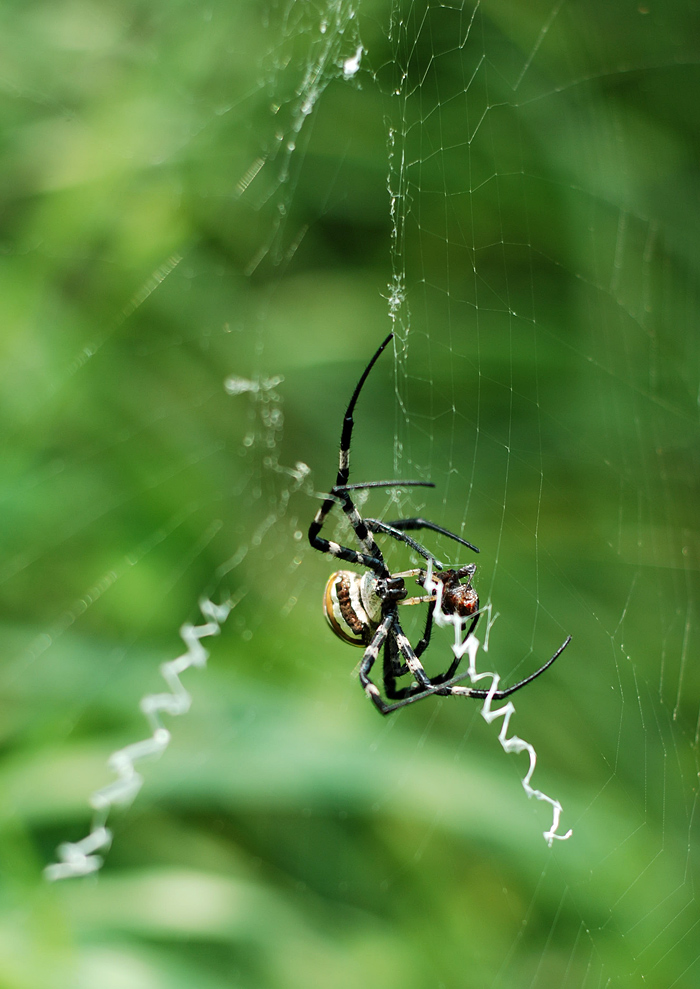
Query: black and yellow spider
[[363, 609]]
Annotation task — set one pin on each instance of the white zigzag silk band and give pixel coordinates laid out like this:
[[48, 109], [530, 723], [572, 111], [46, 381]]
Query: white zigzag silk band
[[79, 858], [512, 744]]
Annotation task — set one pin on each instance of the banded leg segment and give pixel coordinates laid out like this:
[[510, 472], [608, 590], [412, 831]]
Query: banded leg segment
[[392, 670], [374, 563], [397, 645], [450, 687], [412, 660], [369, 659]]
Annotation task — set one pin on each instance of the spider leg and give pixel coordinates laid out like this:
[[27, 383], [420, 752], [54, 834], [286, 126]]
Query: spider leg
[[393, 668], [390, 625], [418, 523], [412, 661], [371, 556], [450, 672], [374, 525], [370, 657], [392, 528], [349, 422], [387, 484], [397, 646], [449, 687], [414, 694], [394, 693], [441, 678], [359, 526], [374, 563], [500, 694], [427, 632], [371, 551]]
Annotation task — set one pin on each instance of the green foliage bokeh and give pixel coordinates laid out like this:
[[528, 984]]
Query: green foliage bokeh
[[171, 219]]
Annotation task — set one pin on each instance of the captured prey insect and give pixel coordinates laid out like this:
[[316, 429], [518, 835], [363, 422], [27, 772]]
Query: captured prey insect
[[364, 609]]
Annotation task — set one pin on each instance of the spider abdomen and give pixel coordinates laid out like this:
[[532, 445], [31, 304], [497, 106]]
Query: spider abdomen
[[352, 607]]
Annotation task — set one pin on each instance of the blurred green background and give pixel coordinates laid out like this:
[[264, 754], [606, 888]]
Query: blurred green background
[[200, 194]]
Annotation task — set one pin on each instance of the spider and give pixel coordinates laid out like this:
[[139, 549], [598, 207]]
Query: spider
[[363, 609]]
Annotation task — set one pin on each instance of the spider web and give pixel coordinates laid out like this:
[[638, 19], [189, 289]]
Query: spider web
[[221, 250], [541, 279]]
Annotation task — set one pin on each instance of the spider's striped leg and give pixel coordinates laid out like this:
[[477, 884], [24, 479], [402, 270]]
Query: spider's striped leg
[[412, 661], [390, 672], [419, 695], [419, 523], [374, 563], [364, 527], [450, 688], [390, 626], [371, 558], [370, 658], [393, 692], [393, 668], [374, 525], [359, 527]]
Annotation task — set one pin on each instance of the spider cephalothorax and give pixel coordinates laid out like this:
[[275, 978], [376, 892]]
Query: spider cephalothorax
[[363, 610]]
